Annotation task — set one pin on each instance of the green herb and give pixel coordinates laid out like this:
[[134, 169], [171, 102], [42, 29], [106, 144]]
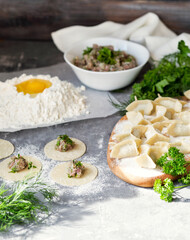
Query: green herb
[[14, 170], [129, 59], [173, 162], [58, 143], [23, 204], [18, 155], [167, 190], [77, 163], [121, 106], [66, 139], [106, 56], [87, 50], [170, 78], [30, 165]]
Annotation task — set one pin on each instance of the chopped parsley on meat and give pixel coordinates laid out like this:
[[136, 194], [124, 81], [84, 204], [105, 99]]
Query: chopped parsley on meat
[[104, 59], [76, 169], [64, 143]]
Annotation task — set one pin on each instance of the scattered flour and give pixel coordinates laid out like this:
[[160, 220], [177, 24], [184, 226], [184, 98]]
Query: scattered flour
[[100, 143], [61, 100]]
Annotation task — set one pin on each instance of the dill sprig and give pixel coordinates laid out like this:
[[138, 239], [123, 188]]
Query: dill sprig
[[120, 105], [24, 202]]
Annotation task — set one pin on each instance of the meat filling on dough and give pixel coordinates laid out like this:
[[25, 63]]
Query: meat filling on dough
[[64, 143], [76, 169], [18, 163]]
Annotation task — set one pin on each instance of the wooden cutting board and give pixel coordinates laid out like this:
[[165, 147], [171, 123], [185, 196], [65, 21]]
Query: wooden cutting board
[[128, 177]]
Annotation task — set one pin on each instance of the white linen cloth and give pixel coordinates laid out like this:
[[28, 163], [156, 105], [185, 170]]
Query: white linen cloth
[[148, 30]]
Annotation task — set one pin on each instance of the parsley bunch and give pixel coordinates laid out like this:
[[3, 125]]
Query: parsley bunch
[[167, 190], [170, 78], [173, 163]]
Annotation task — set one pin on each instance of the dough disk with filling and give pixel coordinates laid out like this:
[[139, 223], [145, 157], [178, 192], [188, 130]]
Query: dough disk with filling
[[78, 150], [59, 174], [19, 176], [6, 148]]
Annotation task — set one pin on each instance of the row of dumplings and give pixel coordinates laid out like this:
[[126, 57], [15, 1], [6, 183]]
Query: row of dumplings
[[151, 128]]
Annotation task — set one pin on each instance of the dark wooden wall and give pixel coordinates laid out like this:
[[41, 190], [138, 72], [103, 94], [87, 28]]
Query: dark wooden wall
[[36, 19]]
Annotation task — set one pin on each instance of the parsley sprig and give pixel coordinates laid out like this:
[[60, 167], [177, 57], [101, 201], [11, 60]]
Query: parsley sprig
[[87, 50], [173, 163]]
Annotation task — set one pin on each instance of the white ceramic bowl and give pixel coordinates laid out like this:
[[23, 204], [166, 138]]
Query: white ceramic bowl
[[108, 80]]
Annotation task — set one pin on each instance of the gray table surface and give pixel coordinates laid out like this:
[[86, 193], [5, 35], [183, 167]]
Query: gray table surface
[[107, 208]]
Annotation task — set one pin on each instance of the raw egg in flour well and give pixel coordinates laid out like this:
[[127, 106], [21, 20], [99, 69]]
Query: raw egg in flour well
[[33, 86]]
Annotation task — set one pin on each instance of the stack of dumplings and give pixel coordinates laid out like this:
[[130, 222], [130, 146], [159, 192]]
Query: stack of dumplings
[[151, 128]]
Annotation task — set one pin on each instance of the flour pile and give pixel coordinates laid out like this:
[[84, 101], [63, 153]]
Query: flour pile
[[61, 100]]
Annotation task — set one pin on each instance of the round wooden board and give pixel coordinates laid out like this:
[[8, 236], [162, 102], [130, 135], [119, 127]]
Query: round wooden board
[[135, 180]]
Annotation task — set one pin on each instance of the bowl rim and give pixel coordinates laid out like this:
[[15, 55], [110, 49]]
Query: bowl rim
[[110, 72]]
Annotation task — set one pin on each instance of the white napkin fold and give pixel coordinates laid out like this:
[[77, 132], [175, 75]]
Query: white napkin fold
[[148, 30]]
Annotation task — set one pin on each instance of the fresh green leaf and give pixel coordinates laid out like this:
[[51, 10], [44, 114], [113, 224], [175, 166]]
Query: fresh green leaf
[[106, 56], [166, 190], [160, 85], [171, 76], [13, 170], [183, 48], [30, 165], [87, 50], [173, 162]]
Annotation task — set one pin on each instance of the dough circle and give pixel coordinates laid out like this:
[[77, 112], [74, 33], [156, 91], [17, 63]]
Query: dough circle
[[59, 174], [22, 175], [6, 148], [78, 150]]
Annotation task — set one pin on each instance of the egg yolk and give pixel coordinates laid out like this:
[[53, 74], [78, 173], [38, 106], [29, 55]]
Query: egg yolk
[[33, 86]]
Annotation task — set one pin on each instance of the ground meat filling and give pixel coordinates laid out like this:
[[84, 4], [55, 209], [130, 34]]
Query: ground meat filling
[[76, 169], [64, 143], [105, 59], [18, 164]]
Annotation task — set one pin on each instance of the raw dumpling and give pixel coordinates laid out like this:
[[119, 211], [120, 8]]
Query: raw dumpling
[[124, 136], [184, 117], [159, 119], [187, 94], [126, 148], [143, 106], [145, 161], [179, 129], [160, 110], [169, 103], [139, 131], [135, 118], [153, 136]]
